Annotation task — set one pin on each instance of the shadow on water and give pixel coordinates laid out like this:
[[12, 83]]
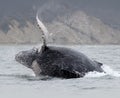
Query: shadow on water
[[27, 77], [89, 88], [47, 78]]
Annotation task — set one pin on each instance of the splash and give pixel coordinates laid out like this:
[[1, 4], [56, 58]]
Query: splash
[[108, 71]]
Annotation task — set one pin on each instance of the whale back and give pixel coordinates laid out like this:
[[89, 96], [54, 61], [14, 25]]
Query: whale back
[[64, 62]]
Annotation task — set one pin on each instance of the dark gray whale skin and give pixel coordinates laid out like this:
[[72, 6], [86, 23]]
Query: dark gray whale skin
[[58, 62]]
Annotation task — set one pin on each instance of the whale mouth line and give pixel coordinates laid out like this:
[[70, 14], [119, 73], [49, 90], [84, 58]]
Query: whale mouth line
[[23, 63]]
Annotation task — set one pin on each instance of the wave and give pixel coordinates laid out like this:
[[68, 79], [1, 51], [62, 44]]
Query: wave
[[108, 71]]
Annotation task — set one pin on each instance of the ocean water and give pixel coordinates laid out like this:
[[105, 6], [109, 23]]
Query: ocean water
[[17, 81]]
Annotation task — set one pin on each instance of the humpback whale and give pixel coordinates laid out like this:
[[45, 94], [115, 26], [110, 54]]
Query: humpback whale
[[56, 61]]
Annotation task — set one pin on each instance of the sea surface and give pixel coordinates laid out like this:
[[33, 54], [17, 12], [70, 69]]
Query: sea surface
[[17, 81]]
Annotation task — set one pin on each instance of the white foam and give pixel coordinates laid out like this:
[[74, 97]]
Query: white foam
[[95, 74], [108, 71]]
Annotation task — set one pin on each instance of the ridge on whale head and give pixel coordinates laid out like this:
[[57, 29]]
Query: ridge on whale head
[[56, 61]]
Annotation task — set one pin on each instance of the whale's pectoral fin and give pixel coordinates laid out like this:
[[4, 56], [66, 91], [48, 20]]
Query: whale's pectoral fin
[[71, 74], [100, 64], [35, 67]]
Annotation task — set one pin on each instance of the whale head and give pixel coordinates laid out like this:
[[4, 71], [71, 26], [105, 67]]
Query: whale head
[[27, 57]]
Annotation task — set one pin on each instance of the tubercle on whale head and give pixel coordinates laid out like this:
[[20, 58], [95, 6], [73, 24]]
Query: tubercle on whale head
[[27, 57]]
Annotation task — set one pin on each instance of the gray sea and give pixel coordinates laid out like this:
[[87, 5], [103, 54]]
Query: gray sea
[[17, 81]]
